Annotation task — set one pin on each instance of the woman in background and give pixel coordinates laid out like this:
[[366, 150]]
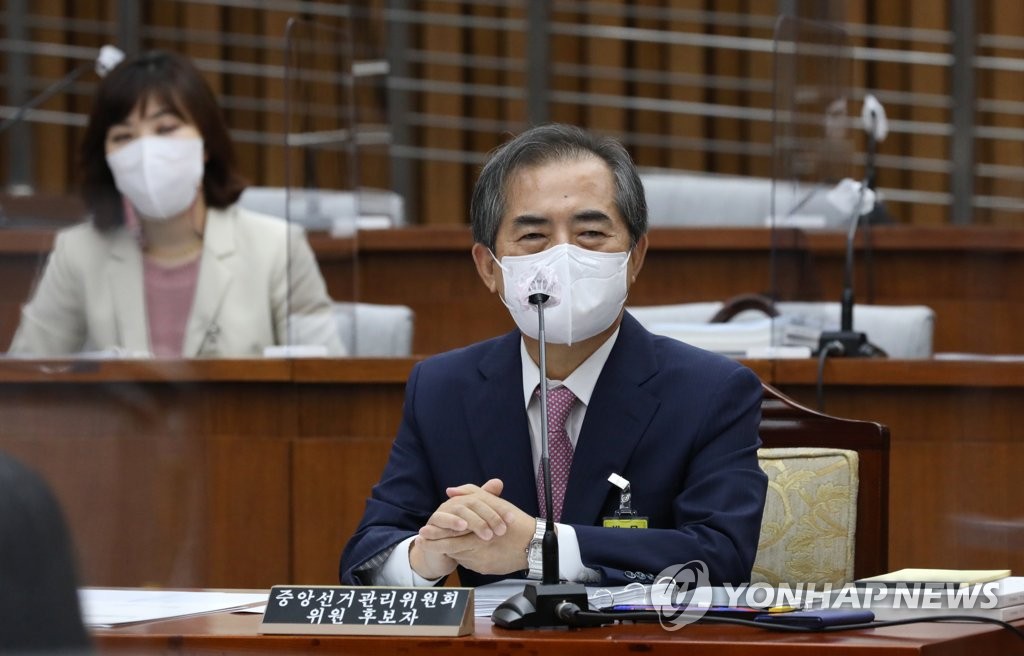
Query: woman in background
[[169, 265]]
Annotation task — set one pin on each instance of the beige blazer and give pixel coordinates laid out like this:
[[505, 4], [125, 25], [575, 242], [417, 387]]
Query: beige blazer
[[90, 297]]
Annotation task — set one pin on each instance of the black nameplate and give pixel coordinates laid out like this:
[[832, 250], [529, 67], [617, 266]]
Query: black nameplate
[[368, 610]]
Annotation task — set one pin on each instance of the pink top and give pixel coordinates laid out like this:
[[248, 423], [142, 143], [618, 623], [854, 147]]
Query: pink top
[[169, 292]]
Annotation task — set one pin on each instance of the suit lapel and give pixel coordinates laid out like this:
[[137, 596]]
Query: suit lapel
[[215, 275], [498, 424], [617, 417], [125, 279]]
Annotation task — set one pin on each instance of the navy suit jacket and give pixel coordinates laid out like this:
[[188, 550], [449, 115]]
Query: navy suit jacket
[[678, 422]]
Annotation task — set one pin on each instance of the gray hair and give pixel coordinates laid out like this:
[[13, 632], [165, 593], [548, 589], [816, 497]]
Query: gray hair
[[543, 145]]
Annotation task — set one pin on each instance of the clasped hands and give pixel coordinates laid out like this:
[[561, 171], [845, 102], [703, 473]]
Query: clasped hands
[[474, 528]]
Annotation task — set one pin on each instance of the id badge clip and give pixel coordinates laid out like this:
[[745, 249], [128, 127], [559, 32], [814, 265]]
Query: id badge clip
[[625, 516]]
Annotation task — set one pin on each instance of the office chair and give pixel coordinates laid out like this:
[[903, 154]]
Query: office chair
[[372, 330]]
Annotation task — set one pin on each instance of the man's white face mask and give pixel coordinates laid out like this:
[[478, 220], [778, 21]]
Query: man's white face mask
[[160, 176], [587, 290]]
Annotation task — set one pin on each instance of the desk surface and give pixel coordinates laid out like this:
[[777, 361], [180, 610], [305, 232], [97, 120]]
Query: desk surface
[[238, 632]]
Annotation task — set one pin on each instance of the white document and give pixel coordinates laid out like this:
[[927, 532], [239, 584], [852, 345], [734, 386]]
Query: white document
[[104, 607]]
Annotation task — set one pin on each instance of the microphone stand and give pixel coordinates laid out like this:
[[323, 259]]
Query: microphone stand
[[847, 342], [549, 546], [107, 59], [47, 93], [549, 603]]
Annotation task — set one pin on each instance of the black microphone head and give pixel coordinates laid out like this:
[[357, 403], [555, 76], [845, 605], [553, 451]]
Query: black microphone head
[[538, 298]]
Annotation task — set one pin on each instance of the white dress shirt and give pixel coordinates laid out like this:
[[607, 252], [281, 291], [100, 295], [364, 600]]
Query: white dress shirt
[[396, 570]]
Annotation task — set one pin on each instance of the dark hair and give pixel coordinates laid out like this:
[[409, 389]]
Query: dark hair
[[543, 145], [38, 587], [173, 80]]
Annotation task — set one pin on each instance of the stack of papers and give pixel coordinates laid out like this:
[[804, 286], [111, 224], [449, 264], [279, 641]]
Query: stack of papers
[[936, 577], [923, 593], [106, 608]]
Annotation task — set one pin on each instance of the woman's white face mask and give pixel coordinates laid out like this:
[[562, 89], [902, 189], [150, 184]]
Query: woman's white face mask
[[160, 176], [586, 290]]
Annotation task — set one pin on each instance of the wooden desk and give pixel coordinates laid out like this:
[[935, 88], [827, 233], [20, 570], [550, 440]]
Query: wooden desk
[[962, 273], [248, 473], [956, 455], [226, 633], [239, 473]]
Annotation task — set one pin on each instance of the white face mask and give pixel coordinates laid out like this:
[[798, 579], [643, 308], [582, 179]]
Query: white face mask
[[586, 288], [160, 176]]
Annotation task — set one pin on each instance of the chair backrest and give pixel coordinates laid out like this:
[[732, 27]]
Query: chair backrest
[[324, 209], [370, 330], [689, 199], [785, 424], [809, 528], [902, 331]]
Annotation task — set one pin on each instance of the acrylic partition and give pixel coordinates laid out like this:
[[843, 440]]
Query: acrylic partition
[[177, 471], [337, 159], [814, 184]]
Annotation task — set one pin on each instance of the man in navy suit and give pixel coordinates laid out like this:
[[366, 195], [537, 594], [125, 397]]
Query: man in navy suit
[[561, 209]]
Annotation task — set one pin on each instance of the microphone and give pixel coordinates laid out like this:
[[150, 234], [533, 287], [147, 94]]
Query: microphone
[[875, 124], [548, 603], [109, 56], [847, 342]]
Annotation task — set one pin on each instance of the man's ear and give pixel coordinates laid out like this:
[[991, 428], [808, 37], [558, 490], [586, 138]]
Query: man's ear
[[636, 258], [485, 266]]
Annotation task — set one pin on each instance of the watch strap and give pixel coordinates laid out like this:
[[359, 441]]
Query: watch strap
[[534, 552]]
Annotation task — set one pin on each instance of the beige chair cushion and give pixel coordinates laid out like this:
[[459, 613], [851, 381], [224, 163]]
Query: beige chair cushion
[[810, 516]]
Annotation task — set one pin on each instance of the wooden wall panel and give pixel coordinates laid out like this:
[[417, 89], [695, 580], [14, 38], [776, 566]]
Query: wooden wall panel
[[250, 155], [207, 18], [444, 183], [726, 64], [891, 77], [489, 45], [275, 168], [599, 114], [173, 469], [929, 80], [689, 62], [1004, 19], [567, 50], [759, 69], [50, 146], [648, 57], [333, 477]]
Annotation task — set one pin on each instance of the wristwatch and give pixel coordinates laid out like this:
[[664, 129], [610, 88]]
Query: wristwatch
[[534, 553]]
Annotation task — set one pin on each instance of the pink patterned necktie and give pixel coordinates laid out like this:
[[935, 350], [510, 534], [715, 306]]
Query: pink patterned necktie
[[560, 400]]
